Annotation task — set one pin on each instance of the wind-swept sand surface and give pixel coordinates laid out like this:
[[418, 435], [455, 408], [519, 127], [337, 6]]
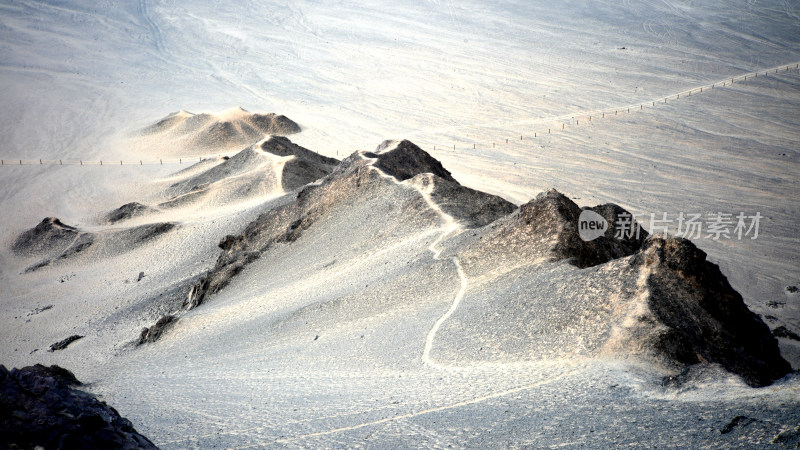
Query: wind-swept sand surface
[[303, 284]]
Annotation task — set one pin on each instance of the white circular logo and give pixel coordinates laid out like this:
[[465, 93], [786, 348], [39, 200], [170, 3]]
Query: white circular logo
[[591, 225]]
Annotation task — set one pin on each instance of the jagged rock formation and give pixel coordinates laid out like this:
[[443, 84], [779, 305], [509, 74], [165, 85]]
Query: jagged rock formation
[[700, 317], [232, 128], [41, 407], [404, 160], [62, 344], [152, 334], [547, 228], [305, 166]]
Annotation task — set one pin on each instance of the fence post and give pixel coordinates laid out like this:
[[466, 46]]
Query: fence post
[[161, 161], [2, 162], [180, 160], [120, 162], [40, 162], [60, 163], [81, 162], [506, 140], [101, 162], [20, 162]]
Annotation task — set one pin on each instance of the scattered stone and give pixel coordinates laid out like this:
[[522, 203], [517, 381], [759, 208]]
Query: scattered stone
[[38, 266], [39, 309], [42, 408], [792, 289], [152, 334], [776, 304], [141, 275], [62, 344], [789, 438], [784, 332], [737, 422]]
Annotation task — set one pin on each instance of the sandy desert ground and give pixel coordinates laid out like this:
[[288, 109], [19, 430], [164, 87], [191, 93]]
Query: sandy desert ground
[[377, 319]]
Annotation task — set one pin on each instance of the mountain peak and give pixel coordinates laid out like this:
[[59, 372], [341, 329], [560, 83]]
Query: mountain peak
[[404, 159]]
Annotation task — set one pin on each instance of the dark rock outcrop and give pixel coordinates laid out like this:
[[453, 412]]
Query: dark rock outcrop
[[62, 344], [404, 160], [701, 317], [304, 168], [783, 332], [152, 334], [547, 227], [40, 406]]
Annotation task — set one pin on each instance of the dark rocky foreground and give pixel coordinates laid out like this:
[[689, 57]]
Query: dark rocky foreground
[[41, 407]]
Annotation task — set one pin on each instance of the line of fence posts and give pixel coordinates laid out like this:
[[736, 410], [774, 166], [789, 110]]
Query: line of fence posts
[[494, 144]]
